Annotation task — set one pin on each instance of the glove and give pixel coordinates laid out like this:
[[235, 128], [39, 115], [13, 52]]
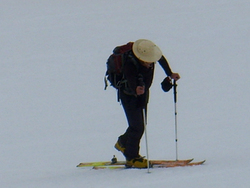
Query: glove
[[166, 84]]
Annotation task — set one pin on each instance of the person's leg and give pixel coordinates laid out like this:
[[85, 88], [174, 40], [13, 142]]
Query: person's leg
[[131, 138]]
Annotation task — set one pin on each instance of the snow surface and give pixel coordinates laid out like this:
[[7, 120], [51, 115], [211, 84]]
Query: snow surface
[[55, 113]]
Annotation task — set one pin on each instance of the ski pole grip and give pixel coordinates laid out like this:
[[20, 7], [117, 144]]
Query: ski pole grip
[[175, 91]]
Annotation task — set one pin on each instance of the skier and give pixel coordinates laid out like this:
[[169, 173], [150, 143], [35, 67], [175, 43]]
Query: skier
[[134, 95]]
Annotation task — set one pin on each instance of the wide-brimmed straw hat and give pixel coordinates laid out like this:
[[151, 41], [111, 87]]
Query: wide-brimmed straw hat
[[146, 51]]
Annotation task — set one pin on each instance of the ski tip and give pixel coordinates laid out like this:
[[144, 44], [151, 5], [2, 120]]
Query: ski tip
[[80, 164], [190, 160], [197, 163], [203, 161]]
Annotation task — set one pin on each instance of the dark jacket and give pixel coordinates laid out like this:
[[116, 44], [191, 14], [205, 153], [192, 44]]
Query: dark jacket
[[134, 71], [137, 75]]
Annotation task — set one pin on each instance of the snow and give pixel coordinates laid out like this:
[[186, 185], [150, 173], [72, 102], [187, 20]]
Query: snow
[[55, 113]]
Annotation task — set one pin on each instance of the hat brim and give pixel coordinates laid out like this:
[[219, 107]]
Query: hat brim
[[146, 51]]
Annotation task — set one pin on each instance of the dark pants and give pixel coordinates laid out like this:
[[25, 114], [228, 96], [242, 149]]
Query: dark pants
[[134, 113]]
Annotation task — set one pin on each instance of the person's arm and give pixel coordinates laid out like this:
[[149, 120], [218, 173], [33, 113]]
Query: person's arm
[[164, 64]]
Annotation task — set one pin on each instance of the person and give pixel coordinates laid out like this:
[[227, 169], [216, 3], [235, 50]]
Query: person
[[138, 72]]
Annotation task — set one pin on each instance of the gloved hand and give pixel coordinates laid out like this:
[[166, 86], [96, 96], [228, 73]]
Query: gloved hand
[[166, 84]]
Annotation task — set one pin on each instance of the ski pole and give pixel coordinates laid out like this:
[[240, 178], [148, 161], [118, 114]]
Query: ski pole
[[146, 136], [175, 114]]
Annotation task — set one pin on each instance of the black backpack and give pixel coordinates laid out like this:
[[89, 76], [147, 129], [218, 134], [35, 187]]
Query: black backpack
[[115, 63]]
